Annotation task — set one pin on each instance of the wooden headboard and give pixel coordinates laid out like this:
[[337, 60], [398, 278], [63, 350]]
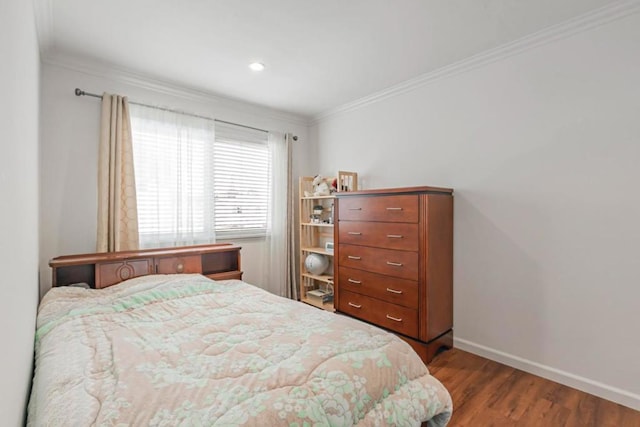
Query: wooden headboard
[[99, 270]]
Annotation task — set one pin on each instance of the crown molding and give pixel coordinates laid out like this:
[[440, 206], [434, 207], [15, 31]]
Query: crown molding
[[550, 34], [44, 24], [122, 75]]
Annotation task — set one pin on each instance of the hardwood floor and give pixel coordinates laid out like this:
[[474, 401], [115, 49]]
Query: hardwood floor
[[487, 393]]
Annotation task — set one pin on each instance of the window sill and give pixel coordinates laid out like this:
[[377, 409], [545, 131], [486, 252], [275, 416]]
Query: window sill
[[232, 239]]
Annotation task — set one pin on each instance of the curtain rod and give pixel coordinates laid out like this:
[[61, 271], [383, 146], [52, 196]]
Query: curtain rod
[[80, 92]]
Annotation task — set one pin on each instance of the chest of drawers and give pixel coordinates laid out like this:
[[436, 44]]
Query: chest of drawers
[[394, 262]]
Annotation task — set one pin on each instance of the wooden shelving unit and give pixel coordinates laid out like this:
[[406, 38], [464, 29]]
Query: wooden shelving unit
[[316, 230]]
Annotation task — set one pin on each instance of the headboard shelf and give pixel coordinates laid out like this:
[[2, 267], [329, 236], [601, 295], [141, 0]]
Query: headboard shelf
[[99, 270]]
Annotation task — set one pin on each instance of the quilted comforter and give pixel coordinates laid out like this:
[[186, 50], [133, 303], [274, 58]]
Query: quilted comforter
[[184, 350]]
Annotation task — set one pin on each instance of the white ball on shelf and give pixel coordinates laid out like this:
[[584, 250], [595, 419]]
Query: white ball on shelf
[[316, 263]]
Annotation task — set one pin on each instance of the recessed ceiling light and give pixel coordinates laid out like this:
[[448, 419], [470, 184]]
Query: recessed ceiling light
[[256, 66]]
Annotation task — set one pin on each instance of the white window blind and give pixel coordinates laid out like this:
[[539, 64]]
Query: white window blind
[[242, 184], [195, 183]]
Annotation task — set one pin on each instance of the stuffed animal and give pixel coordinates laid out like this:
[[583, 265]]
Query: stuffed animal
[[334, 185], [320, 187]]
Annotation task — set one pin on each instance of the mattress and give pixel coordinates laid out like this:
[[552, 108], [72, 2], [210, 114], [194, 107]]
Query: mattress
[[169, 350]]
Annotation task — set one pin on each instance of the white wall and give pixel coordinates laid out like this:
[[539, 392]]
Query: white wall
[[70, 130], [543, 151], [19, 89]]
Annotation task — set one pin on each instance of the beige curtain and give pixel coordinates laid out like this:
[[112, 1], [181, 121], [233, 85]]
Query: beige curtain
[[279, 255], [292, 279], [117, 209]]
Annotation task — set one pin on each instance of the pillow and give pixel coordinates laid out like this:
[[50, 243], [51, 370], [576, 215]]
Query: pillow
[[80, 285]]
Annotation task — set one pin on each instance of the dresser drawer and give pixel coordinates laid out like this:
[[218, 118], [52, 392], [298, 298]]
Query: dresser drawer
[[390, 235], [110, 273], [390, 289], [400, 264], [403, 208], [391, 316], [179, 265]]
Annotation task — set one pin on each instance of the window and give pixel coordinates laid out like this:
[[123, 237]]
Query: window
[[197, 181], [242, 171]]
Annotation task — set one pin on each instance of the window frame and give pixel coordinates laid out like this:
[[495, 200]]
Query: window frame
[[231, 135]]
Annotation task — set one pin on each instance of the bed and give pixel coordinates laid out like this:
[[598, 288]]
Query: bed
[[183, 349]]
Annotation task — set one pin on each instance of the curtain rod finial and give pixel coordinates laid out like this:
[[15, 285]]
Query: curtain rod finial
[[79, 92]]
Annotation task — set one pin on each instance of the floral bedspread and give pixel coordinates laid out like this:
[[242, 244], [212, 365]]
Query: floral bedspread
[[184, 350]]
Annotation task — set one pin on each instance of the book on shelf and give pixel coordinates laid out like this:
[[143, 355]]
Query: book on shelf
[[320, 296]]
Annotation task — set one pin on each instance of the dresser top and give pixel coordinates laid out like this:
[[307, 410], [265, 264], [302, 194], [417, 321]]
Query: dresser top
[[402, 190]]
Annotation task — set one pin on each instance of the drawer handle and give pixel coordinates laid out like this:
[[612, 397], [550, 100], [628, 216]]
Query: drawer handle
[[395, 236], [358, 306], [355, 233], [180, 268], [393, 291], [395, 264], [355, 209], [354, 257], [394, 209], [357, 282], [395, 319]]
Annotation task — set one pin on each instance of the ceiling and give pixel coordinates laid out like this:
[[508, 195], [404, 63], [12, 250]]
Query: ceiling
[[319, 54]]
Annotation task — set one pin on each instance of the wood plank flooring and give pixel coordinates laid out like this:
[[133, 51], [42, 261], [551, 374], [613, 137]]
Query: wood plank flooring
[[486, 393]]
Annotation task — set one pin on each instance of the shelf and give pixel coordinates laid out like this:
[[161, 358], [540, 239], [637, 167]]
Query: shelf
[[322, 278], [315, 236], [317, 197], [320, 251], [325, 306]]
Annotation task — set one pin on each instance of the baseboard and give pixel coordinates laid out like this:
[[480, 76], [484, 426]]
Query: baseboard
[[596, 388]]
